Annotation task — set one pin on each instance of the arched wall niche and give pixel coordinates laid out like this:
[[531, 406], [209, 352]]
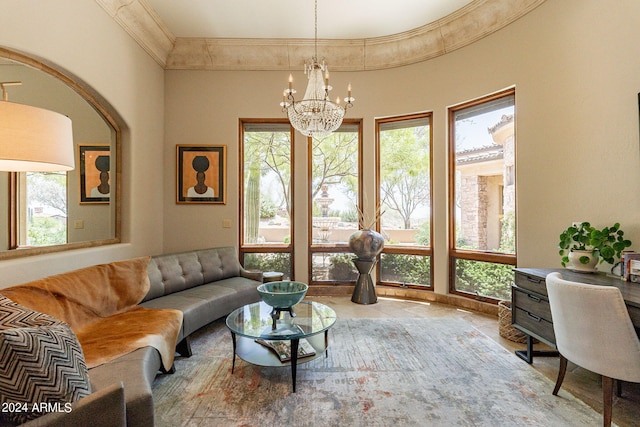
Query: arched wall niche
[[89, 222]]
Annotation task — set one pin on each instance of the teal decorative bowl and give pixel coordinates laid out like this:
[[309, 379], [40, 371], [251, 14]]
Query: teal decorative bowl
[[283, 294]]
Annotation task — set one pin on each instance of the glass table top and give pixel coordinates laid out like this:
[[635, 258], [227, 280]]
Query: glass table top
[[255, 321]]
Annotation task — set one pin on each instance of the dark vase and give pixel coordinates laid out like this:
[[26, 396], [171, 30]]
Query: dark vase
[[366, 244]]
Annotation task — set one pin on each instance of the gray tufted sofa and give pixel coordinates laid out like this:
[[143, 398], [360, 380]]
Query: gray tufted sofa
[[205, 285]]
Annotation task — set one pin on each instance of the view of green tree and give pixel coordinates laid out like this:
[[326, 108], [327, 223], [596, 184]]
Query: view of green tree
[[405, 199], [335, 163], [406, 269], [267, 208], [484, 279], [333, 191], [280, 262], [488, 279], [508, 233], [45, 231], [48, 189], [270, 153], [404, 171], [47, 194], [266, 211], [341, 268], [267, 170], [423, 236]]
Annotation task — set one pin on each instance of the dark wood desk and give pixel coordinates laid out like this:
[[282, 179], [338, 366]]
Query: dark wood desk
[[531, 312]]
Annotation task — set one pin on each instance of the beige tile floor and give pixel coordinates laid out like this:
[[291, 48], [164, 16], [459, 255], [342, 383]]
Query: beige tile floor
[[581, 383]]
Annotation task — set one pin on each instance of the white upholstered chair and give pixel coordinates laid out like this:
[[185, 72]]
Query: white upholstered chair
[[594, 331]]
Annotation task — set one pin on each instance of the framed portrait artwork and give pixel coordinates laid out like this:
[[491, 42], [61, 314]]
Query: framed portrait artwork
[[95, 167], [201, 171]]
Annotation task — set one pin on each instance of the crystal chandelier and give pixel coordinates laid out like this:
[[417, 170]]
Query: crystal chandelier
[[316, 114]]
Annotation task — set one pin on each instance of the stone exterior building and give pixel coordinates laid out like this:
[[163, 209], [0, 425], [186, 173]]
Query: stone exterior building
[[487, 188]]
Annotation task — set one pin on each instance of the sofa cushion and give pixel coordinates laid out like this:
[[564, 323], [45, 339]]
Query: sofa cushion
[[219, 263], [198, 309], [40, 365], [203, 304], [176, 272], [171, 273]]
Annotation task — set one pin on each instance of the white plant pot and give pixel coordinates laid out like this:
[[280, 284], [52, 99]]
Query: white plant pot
[[576, 265]]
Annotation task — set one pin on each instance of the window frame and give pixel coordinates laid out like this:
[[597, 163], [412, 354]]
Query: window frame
[[254, 248], [469, 254], [329, 247], [398, 249], [18, 208]]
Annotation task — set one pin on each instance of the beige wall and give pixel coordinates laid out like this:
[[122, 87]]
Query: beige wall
[[575, 65], [576, 68], [81, 37]]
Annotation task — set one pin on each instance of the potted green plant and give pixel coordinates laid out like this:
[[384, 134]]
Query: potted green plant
[[582, 246]]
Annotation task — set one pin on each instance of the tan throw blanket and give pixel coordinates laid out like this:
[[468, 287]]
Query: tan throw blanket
[[100, 303]]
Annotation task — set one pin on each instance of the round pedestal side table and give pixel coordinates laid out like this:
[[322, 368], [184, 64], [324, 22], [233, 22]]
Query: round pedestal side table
[[364, 292], [272, 276]]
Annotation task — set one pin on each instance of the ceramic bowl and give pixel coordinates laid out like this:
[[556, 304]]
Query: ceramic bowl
[[282, 294]]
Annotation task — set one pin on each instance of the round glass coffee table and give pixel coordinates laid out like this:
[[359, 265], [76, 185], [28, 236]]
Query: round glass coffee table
[[253, 323]]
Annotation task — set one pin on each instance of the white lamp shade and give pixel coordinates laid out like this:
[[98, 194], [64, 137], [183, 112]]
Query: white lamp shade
[[34, 139]]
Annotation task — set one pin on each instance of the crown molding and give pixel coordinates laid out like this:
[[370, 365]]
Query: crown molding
[[474, 21], [144, 25]]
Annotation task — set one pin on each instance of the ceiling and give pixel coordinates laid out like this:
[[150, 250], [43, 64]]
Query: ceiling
[[262, 35], [337, 19]]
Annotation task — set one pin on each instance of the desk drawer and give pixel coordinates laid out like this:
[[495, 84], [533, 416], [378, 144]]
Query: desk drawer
[[532, 303], [534, 325], [532, 283]]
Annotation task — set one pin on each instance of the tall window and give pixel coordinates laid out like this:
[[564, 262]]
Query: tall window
[[266, 155], [482, 197], [404, 199], [334, 200]]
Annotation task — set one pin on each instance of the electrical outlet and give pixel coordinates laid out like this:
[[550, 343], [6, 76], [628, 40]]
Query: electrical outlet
[[226, 223], [78, 224]]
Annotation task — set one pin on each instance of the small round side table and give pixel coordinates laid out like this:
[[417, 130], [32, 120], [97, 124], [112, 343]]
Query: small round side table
[[272, 276]]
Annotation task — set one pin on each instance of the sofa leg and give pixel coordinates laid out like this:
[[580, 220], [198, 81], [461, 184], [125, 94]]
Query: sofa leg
[[170, 371], [184, 347]]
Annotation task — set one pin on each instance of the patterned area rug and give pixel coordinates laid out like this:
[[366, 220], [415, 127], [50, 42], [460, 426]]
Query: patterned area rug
[[379, 372]]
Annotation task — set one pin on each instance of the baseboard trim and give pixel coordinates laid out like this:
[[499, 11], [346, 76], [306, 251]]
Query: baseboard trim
[[409, 294]]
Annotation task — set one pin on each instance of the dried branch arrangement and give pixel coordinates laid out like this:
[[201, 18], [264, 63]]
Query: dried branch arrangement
[[366, 223]]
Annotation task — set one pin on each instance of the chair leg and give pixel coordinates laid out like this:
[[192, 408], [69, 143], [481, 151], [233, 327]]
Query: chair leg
[[618, 387], [561, 371], [607, 400]]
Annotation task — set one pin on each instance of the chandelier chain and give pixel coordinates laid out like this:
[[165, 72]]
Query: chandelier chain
[[316, 30]]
